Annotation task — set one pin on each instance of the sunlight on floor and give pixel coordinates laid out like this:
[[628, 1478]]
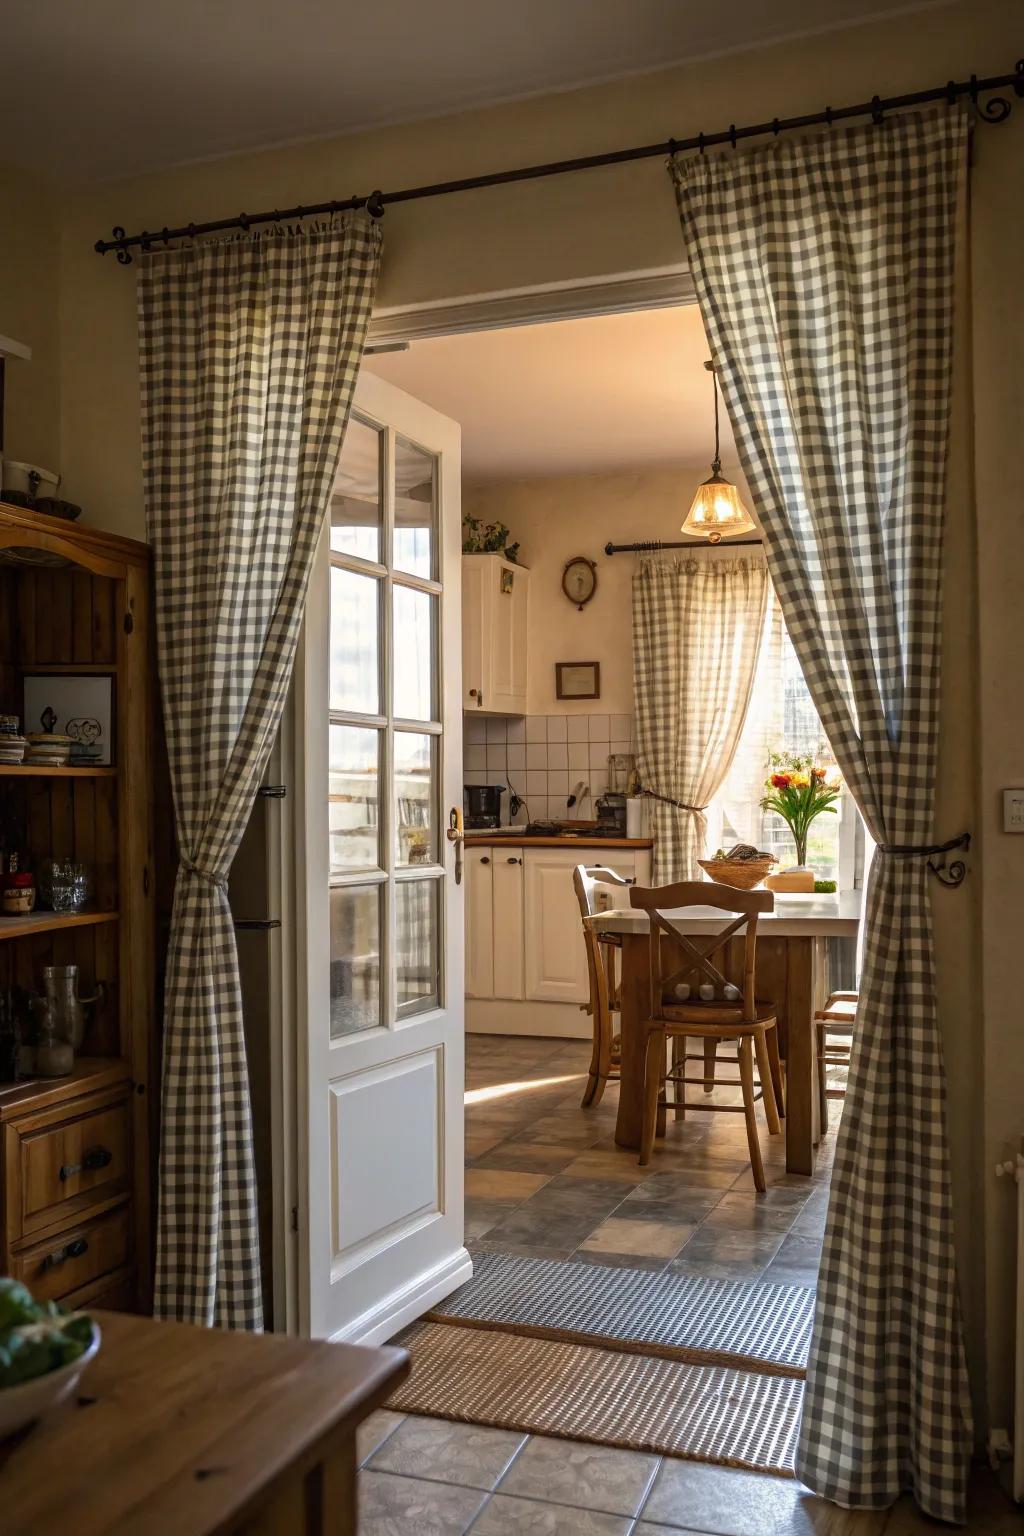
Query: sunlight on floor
[[505, 1090]]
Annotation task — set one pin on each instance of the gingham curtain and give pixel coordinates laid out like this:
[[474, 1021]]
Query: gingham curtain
[[824, 270], [697, 624], [250, 349]]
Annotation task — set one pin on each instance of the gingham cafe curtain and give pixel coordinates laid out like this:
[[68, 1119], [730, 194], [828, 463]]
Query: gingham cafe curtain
[[824, 269], [250, 348], [697, 625]]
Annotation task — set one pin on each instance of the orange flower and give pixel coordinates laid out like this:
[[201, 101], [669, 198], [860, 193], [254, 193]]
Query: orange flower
[[819, 773], [781, 780]]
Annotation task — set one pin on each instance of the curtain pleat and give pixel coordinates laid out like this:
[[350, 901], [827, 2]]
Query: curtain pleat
[[250, 349], [824, 269], [697, 624]]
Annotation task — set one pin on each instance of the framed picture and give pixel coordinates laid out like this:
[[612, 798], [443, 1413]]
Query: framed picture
[[75, 704], [577, 679]]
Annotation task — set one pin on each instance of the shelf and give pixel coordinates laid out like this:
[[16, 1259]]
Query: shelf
[[31, 771], [50, 922], [90, 1073]]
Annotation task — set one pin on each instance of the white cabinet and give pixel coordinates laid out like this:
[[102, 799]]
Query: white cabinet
[[479, 923], [495, 618], [494, 923], [556, 962]]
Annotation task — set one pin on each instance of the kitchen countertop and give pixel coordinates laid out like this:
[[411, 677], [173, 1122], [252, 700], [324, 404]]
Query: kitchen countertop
[[833, 917], [493, 838]]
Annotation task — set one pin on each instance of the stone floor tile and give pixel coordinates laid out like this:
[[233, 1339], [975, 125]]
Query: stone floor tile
[[505, 1516], [373, 1431], [503, 1184], [593, 1477], [722, 1501], [468, 1455], [655, 1239], [397, 1506]]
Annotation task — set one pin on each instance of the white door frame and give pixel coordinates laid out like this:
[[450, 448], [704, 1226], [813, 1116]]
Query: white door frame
[[619, 293]]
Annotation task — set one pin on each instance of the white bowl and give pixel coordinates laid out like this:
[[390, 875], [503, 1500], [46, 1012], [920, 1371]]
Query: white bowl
[[29, 1400]]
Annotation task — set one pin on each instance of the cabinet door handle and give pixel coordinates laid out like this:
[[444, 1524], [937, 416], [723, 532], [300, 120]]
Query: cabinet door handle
[[96, 1157], [74, 1250], [485, 860], [513, 861]]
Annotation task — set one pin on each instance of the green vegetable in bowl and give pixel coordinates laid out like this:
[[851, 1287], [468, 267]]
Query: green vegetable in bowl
[[37, 1337], [824, 887]]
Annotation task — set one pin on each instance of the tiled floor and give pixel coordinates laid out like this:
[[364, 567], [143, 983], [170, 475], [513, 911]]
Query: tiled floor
[[545, 1178]]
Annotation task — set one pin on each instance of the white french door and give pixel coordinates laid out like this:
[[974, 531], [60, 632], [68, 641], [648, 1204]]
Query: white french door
[[380, 979]]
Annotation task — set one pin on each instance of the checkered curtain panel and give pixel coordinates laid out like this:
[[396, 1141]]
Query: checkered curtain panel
[[250, 348], [697, 625], [824, 268]]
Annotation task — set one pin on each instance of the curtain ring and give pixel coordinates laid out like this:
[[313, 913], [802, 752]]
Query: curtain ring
[[732, 134], [375, 204], [243, 222], [776, 127], [876, 110], [828, 116], [951, 93], [700, 142]]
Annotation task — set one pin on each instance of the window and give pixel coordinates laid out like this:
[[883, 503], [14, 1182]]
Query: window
[[781, 718]]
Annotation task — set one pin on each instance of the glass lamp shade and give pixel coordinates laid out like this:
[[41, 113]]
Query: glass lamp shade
[[717, 510]]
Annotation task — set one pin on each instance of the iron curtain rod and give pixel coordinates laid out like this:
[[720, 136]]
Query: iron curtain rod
[[996, 110], [651, 546]]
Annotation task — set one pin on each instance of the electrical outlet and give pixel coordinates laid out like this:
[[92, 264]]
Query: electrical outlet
[[1013, 810]]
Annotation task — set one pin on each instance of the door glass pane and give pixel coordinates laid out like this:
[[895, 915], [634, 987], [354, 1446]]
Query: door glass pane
[[355, 959], [416, 923], [415, 816], [415, 627], [356, 501], [415, 509], [354, 642], [354, 768]]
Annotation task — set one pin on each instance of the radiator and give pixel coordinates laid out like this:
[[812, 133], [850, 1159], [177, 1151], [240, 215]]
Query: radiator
[[1014, 1168]]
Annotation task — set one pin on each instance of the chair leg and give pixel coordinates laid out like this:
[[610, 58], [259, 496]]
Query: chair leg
[[764, 1072], [747, 1080], [654, 1069], [819, 1040], [775, 1065], [594, 1083], [679, 1089], [710, 1052]]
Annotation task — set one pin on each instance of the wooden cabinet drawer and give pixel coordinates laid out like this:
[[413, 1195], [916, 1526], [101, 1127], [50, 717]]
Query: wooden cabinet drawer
[[75, 1256], [61, 1161]]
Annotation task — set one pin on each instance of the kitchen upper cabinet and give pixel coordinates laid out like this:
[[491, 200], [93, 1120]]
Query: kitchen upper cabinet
[[479, 923], [495, 618]]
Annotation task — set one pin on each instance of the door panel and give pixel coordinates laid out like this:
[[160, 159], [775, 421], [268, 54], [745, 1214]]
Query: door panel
[[381, 973]]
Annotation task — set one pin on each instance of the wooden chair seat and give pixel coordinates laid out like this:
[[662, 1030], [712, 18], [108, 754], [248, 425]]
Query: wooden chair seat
[[750, 1025]]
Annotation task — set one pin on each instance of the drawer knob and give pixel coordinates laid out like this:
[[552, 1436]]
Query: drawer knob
[[96, 1157], [74, 1250]]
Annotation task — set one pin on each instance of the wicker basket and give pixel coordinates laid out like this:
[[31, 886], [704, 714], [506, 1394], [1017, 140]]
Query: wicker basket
[[744, 874]]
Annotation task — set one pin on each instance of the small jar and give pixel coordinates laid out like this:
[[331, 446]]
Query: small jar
[[730, 993], [682, 991], [19, 894], [707, 992]]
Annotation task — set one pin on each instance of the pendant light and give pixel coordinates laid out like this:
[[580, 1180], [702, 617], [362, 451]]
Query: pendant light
[[717, 508]]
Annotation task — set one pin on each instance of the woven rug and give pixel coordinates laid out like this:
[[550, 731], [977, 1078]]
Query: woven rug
[[610, 1397], [762, 1328]]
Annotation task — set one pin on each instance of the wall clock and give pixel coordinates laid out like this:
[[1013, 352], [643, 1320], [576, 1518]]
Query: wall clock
[[579, 580]]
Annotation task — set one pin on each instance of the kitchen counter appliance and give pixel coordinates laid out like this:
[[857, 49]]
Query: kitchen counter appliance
[[481, 805]]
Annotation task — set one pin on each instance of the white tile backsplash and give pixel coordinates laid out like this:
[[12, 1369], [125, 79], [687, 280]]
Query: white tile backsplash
[[545, 756]]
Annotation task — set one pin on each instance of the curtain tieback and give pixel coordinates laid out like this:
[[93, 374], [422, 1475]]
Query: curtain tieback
[[925, 850], [220, 881], [680, 805]]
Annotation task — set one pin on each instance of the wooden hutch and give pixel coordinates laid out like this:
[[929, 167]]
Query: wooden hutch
[[75, 1182]]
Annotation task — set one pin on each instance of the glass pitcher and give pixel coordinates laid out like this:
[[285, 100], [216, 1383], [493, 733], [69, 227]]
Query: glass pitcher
[[65, 1008]]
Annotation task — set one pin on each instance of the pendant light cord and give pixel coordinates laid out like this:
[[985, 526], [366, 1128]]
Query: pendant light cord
[[716, 463]]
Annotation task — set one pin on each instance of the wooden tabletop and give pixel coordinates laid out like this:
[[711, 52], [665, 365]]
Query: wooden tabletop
[[833, 917], [181, 1430]]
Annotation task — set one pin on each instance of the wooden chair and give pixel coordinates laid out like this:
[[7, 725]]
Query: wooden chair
[[747, 1022], [836, 1018], [604, 990]]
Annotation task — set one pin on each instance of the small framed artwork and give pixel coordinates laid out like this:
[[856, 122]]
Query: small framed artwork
[[577, 679], [75, 704], [508, 579]]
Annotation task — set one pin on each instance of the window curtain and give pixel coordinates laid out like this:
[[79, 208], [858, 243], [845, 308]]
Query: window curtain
[[697, 624], [736, 814], [250, 349], [824, 269]]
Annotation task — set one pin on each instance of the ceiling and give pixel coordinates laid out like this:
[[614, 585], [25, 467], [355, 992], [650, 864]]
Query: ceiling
[[593, 396], [94, 89]]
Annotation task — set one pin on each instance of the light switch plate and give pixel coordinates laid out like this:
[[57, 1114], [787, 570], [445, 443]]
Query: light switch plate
[[1013, 810]]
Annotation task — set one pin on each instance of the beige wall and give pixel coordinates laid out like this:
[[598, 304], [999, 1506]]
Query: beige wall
[[569, 515], [29, 312], [621, 220]]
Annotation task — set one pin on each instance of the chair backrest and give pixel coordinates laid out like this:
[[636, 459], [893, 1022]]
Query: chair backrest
[[745, 907], [585, 881]]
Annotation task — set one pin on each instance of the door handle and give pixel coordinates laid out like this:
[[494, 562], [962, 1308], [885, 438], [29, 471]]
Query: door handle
[[456, 835], [96, 1157], [513, 861], [74, 1250]]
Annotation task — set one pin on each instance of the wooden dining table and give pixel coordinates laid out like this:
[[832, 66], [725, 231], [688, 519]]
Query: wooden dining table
[[792, 972]]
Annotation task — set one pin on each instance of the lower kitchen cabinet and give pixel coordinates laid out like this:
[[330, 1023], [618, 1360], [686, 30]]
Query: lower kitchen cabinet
[[524, 941]]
